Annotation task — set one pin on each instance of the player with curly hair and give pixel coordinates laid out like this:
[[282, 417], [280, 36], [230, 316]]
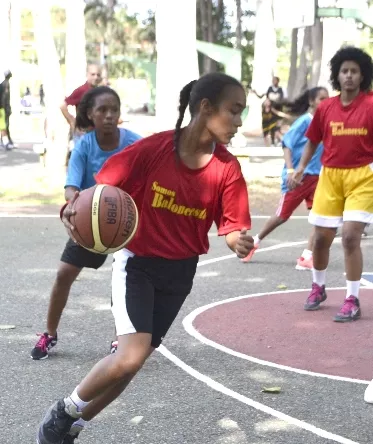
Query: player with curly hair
[[344, 192]]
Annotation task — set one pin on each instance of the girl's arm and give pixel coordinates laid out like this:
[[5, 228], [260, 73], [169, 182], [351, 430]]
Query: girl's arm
[[288, 159]]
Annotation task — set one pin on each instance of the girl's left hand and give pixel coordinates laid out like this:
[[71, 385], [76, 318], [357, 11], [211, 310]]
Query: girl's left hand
[[244, 244]]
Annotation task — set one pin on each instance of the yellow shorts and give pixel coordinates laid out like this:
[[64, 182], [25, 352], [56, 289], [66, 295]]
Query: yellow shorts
[[343, 195], [2, 120]]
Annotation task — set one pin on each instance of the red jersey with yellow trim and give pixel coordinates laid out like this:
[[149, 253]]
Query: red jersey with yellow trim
[[177, 205], [346, 131]]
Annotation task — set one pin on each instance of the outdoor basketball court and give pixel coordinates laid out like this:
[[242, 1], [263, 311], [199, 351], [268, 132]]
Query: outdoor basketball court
[[243, 328]]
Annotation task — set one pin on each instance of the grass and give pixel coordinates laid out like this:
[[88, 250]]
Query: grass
[[36, 187]]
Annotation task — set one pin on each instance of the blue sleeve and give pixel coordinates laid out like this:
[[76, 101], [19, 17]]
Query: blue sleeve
[[295, 134], [77, 166]]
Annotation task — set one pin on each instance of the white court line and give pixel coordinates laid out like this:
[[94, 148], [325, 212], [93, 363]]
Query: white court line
[[250, 402], [366, 283], [260, 250], [188, 325]]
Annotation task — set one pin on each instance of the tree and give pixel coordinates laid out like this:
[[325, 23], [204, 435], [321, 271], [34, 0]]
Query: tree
[[52, 81], [264, 61], [210, 22], [293, 63], [317, 45], [239, 24], [75, 44]]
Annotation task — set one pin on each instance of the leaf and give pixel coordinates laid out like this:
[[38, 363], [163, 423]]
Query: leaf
[[271, 389], [282, 287]]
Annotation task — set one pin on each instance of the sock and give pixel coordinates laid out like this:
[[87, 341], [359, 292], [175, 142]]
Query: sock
[[307, 254], [256, 240], [353, 288], [80, 423], [79, 403], [319, 276]]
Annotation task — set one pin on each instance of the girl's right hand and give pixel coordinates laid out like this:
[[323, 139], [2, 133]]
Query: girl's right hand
[[296, 179], [67, 213]]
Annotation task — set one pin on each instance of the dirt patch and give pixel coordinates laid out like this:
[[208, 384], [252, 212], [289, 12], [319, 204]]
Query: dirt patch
[[264, 196]]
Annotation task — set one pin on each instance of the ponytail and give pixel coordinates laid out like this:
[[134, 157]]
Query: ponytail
[[183, 105], [302, 103]]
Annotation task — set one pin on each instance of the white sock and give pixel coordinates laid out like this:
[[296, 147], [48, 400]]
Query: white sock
[[307, 254], [319, 276], [256, 240], [80, 423], [74, 398], [352, 288]]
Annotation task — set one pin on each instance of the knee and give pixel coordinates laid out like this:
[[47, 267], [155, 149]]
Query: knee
[[126, 366], [65, 277], [350, 241], [321, 241]]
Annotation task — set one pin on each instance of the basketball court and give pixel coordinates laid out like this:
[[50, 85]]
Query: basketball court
[[243, 329]]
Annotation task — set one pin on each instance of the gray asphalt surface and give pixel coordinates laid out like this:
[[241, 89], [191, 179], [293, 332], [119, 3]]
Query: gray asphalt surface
[[165, 404]]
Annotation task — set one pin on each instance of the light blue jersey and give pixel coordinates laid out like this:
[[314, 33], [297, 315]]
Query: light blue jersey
[[87, 158], [296, 140]]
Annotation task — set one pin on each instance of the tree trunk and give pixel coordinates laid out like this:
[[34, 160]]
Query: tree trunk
[[264, 63], [304, 63], [293, 63], [239, 25], [317, 44], [75, 45], [176, 39], [52, 81], [210, 64]]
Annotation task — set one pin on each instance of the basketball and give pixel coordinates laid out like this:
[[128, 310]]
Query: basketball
[[106, 219]]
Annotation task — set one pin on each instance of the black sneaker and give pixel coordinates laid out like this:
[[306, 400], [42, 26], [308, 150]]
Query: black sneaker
[[44, 344], [72, 435], [57, 423]]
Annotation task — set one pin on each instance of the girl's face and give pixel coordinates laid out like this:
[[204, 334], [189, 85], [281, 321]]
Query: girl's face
[[224, 121], [105, 113], [321, 95]]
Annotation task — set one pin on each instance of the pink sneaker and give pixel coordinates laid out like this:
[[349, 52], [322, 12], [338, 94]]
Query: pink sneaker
[[350, 310], [317, 295], [250, 255], [304, 264]]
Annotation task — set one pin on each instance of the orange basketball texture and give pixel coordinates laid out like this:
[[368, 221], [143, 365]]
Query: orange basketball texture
[[106, 219]]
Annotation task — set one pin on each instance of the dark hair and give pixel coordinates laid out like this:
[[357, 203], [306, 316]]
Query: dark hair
[[350, 53], [210, 86], [88, 102], [301, 104]]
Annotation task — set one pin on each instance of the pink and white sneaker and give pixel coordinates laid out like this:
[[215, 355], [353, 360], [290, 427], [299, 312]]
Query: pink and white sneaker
[[304, 264], [350, 310], [250, 255]]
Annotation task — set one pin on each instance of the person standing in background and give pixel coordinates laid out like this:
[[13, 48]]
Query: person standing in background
[[7, 110], [93, 80]]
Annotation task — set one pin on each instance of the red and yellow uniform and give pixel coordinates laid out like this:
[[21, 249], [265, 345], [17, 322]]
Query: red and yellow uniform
[[345, 187], [178, 205]]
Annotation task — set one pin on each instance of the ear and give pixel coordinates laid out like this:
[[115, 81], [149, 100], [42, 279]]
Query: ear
[[205, 107], [89, 114]]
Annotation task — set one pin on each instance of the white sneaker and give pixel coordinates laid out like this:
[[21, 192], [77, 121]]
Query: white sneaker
[[368, 395]]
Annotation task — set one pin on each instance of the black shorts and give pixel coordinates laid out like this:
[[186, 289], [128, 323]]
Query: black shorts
[[78, 256], [148, 292]]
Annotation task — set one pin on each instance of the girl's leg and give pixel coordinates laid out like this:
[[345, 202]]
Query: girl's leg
[[109, 395]]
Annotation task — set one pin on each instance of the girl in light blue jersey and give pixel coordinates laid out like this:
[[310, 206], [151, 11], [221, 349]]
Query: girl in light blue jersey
[[293, 145], [98, 113]]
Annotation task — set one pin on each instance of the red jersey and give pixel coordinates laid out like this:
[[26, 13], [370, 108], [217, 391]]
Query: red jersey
[[177, 205], [346, 131], [76, 96]]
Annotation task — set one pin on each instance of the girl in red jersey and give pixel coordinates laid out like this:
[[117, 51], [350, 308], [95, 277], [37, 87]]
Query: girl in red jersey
[[182, 181], [344, 192]]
